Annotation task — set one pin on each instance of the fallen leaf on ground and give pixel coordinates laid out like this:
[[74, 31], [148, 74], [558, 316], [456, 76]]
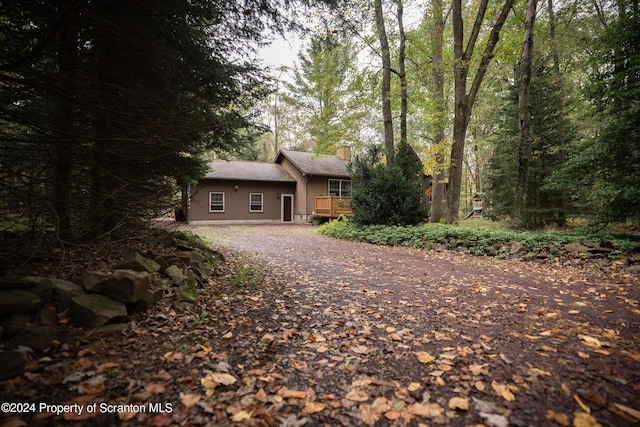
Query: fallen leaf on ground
[[205, 348], [580, 403], [155, 388], [494, 420], [241, 416], [627, 410], [214, 379], [126, 416], [173, 356], [222, 378], [293, 421], [632, 355], [414, 386], [189, 400], [106, 366], [292, 394], [312, 407], [31, 376], [558, 417], [392, 414], [299, 364], [83, 401], [505, 359], [85, 351], [540, 372], [424, 357], [370, 414], [360, 349], [261, 395], [459, 403], [477, 369], [14, 422], [585, 420], [426, 410], [357, 396], [504, 391], [591, 341]]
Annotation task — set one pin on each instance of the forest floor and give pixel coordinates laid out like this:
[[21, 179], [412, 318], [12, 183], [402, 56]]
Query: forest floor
[[309, 330]]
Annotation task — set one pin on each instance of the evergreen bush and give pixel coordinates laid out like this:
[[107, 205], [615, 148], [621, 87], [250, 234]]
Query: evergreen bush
[[388, 194]]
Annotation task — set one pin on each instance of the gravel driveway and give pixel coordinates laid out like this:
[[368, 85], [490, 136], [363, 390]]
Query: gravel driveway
[[397, 336]]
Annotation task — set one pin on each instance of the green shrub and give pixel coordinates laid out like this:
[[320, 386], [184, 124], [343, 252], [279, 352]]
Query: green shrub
[[387, 194], [483, 241]]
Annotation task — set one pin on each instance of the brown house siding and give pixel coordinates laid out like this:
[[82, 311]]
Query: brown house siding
[[309, 186], [299, 174], [236, 201], [300, 209]]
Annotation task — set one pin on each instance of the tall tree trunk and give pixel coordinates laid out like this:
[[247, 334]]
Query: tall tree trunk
[[66, 39], [560, 123], [463, 101], [438, 188], [386, 82], [524, 116], [402, 73]]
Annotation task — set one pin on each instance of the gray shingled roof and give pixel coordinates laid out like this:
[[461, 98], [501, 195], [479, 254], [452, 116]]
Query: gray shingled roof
[[314, 164], [247, 171]]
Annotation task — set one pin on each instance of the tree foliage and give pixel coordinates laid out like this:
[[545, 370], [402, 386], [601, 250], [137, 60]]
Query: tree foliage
[[463, 54], [321, 91], [543, 203], [606, 168]]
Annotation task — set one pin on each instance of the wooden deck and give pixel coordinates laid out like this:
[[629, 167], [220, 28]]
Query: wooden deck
[[332, 207]]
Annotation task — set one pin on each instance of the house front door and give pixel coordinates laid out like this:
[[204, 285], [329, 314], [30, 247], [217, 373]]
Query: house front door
[[287, 208]]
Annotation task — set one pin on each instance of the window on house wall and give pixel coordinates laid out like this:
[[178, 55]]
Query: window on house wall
[[255, 202], [340, 187], [216, 202]]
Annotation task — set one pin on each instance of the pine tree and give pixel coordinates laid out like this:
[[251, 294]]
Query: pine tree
[[107, 105], [320, 91], [544, 204], [607, 167]]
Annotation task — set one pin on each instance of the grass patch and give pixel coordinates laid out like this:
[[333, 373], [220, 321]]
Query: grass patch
[[243, 228], [245, 274]]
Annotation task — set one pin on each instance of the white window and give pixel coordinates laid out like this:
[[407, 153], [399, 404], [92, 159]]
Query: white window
[[216, 202], [340, 187], [255, 202]]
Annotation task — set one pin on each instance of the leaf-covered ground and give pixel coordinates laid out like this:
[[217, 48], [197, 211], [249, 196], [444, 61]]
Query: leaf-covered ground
[[310, 330]]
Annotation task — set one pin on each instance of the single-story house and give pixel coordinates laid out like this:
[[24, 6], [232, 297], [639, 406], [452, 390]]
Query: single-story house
[[288, 190]]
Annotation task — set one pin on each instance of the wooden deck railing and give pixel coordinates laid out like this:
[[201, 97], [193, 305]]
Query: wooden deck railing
[[332, 206]]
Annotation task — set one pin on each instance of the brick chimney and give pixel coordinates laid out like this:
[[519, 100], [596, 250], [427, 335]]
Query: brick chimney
[[344, 153]]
